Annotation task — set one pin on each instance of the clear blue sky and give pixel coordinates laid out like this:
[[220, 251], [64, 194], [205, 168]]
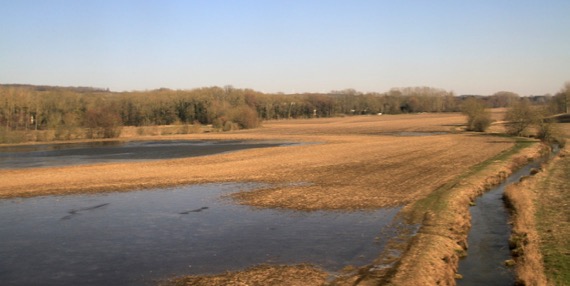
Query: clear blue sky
[[469, 47]]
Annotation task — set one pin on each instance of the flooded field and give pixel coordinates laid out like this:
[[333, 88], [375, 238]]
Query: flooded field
[[49, 155], [144, 236], [330, 204]]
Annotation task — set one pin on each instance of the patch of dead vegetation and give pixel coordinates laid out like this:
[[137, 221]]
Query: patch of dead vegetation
[[276, 275], [552, 200], [372, 172], [524, 239], [564, 128], [541, 222]]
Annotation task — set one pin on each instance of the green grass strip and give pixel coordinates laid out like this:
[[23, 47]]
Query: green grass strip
[[436, 201]]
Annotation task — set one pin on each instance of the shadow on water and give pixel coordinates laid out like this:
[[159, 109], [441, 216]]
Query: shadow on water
[[489, 236], [140, 237], [48, 155]]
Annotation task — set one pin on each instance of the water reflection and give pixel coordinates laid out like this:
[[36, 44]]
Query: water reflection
[[48, 155], [137, 237]]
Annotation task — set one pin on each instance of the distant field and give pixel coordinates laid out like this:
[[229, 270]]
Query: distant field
[[349, 168], [565, 129], [368, 125]]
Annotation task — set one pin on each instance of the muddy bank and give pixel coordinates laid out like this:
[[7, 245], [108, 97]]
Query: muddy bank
[[442, 238]]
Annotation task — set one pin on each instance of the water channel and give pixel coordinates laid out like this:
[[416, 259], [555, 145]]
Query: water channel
[[489, 236]]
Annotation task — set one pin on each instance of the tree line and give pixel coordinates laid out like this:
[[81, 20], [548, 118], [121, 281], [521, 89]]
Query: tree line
[[102, 112], [527, 117]]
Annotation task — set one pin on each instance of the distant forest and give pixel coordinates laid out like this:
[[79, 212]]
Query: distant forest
[[29, 107]]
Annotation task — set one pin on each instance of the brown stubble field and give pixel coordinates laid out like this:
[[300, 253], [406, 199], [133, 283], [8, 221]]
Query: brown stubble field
[[353, 164]]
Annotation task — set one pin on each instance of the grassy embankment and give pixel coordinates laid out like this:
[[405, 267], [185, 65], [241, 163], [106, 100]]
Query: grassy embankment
[[553, 213], [541, 224], [445, 220], [433, 243]]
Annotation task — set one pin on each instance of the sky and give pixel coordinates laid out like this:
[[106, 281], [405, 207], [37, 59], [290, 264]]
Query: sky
[[468, 47]]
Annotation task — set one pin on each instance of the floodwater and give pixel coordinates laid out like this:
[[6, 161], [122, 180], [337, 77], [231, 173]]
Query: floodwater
[[141, 237], [49, 155], [488, 238]]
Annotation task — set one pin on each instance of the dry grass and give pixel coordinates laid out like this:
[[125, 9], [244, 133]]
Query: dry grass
[[372, 172], [498, 114], [564, 128], [524, 240], [292, 275], [553, 214], [541, 224], [369, 125], [161, 130]]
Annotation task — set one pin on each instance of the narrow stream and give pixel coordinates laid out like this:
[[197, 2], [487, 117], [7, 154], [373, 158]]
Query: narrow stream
[[489, 236], [141, 237]]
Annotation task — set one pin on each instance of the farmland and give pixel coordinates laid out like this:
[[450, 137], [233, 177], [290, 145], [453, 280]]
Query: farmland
[[349, 164], [343, 164]]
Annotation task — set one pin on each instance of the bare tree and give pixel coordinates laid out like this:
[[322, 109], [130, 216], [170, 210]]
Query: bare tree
[[520, 116], [478, 118], [566, 92]]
